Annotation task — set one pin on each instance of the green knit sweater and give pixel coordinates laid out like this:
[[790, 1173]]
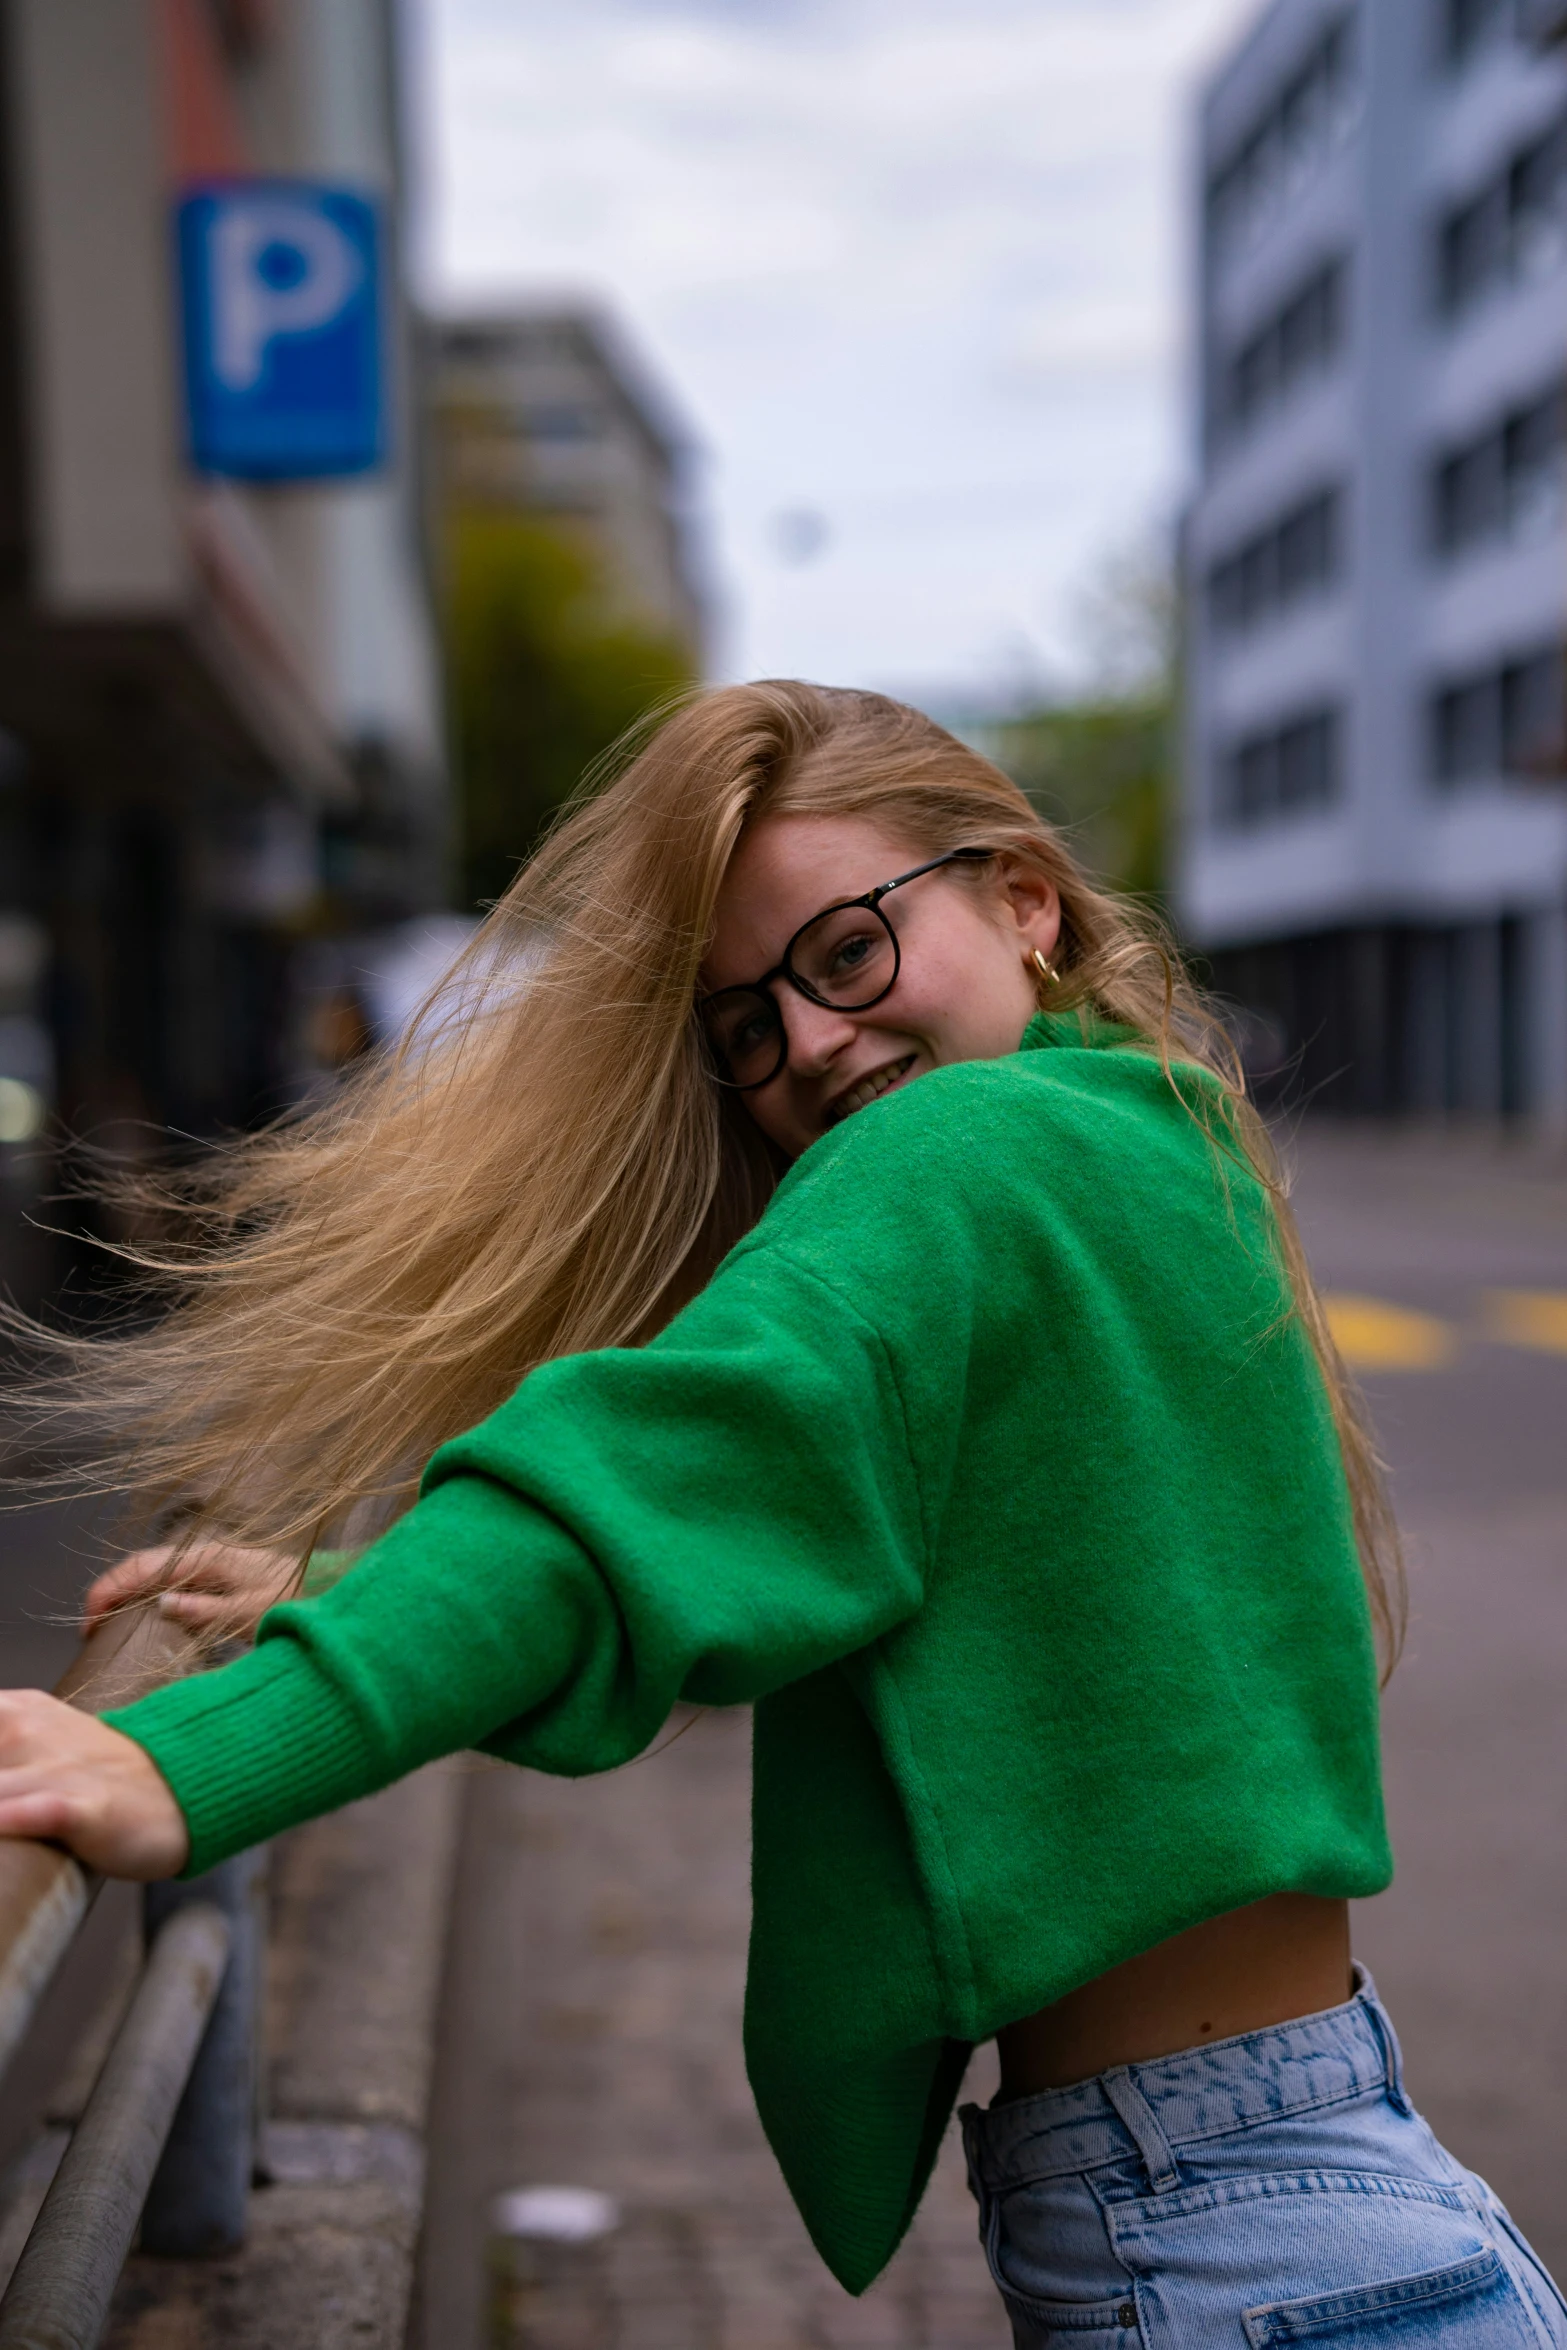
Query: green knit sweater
[[993, 1467]]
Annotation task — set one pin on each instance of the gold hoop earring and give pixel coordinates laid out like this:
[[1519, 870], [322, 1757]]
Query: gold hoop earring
[[1047, 971]]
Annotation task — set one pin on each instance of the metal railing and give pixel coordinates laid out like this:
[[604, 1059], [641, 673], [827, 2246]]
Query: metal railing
[[166, 2140]]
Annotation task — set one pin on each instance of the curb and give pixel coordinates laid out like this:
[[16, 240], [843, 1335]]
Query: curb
[[360, 1906]]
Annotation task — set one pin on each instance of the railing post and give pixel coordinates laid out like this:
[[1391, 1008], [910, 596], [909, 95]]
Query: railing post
[[60, 2293], [200, 2192], [44, 1893]]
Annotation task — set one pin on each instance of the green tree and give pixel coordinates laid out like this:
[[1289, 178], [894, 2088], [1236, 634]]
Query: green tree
[[1103, 771], [542, 676], [1102, 764]]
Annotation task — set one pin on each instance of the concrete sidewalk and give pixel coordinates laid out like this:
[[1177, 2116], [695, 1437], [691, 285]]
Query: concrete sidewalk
[[593, 2003], [359, 1906]]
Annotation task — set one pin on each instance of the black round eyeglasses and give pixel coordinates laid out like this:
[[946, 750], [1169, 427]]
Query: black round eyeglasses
[[845, 958]]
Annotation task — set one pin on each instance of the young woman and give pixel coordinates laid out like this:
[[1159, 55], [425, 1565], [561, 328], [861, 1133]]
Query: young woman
[[825, 1252]]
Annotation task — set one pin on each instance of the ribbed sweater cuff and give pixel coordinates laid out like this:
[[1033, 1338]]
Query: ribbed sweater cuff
[[253, 1749]]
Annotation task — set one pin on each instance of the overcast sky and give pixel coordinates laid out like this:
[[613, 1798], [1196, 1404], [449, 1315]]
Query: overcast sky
[[910, 266]]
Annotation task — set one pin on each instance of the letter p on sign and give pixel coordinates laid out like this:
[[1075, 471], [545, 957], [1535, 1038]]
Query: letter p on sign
[[280, 284]]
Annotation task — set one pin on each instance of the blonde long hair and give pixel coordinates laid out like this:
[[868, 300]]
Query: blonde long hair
[[547, 1165]]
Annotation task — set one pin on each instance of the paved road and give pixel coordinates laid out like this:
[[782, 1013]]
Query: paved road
[[1470, 1945], [592, 2023]]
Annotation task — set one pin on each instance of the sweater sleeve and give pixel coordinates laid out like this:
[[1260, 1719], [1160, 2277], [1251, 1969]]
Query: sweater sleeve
[[710, 1516]]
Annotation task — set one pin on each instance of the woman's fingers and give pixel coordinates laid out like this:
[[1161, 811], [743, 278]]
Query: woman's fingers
[[232, 1593], [129, 1579], [68, 1776], [200, 1611], [44, 1815], [248, 1580], [197, 1609]]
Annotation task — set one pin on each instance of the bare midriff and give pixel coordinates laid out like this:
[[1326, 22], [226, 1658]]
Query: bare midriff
[[1284, 1957]]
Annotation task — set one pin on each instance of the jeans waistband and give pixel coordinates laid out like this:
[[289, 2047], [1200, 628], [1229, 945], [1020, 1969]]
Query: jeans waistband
[[1149, 2109]]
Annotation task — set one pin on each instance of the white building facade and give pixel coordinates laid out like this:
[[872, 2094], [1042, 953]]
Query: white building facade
[[1374, 824]]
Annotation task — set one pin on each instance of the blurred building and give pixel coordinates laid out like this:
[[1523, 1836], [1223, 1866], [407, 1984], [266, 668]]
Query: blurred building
[[219, 711], [1374, 845], [548, 411]]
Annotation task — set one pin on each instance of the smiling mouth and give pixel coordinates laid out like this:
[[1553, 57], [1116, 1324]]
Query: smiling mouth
[[880, 1081]]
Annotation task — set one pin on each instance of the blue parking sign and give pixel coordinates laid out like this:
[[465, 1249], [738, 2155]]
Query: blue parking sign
[[281, 295]]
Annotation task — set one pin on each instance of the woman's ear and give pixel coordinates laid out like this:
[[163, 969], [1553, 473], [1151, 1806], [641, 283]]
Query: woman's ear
[[1034, 905]]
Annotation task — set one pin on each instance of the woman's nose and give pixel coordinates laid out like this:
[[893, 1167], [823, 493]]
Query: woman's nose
[[816, 1033]]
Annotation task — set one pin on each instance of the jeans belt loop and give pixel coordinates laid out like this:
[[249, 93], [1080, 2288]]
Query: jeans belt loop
[[1143, 2124], [1387, 2039]]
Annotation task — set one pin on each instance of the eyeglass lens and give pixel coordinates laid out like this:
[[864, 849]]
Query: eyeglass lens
[[746, 1031], [846, 958]]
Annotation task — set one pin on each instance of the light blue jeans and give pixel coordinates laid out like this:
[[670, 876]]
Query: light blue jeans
[[1275, 2188]]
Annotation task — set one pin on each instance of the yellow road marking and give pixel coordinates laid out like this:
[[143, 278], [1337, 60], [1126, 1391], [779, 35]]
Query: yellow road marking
[[1372, 1335], [1527, 1317]]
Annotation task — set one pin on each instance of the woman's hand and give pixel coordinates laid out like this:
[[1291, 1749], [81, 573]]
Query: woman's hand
[[66, 1776], [212, 1587]]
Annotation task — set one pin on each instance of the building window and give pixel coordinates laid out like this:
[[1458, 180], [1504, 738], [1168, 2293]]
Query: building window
[[473, 342], [1302, 123], [1297, 342], [558, 421], [1507, 720], [1288, 770], [1298, 556], [1511, 229], [1506, 484], [1471, 26]]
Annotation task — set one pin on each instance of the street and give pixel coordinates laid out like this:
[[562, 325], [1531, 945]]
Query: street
[[1467, 1947], [591, 2033]]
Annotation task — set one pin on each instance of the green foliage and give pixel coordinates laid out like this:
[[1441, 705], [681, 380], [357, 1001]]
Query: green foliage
[[1103, 766], [542, 678], [1104, 770]]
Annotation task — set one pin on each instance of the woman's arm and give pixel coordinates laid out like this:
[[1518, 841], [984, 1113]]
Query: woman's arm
[[720, 1512], [71, 1779]]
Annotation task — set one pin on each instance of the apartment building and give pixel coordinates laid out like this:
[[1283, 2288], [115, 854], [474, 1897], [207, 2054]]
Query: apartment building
[[547, 409], [219, 709], [1373, 845]]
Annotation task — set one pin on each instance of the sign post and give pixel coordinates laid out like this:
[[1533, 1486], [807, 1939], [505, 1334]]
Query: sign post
[[282, 304]]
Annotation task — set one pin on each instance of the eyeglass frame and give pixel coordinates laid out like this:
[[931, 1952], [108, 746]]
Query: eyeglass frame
[[783, 968]]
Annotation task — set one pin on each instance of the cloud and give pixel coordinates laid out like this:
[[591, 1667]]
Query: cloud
[[1088, 340], [897, 258]]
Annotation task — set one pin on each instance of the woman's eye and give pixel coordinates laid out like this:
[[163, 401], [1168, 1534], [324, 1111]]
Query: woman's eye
[[750, 1034], [850, 953]]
